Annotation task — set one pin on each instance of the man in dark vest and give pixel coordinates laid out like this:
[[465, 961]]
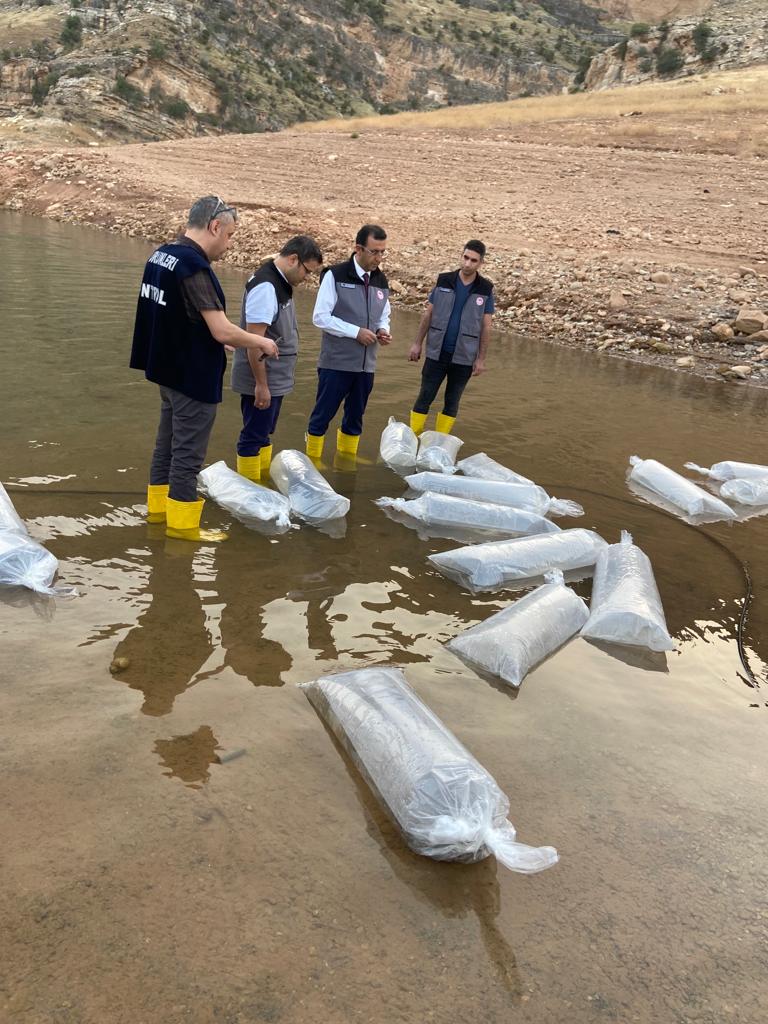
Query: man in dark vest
[[268, 311], [178, 340], [352, 310], [457, 326]]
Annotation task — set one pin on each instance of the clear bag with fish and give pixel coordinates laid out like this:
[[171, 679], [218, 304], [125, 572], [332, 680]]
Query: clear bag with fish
[[445, 803], [626, 606], [513, 641], [502, 562]]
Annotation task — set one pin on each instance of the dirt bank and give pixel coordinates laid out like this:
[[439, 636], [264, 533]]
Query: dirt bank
[[627, 251]]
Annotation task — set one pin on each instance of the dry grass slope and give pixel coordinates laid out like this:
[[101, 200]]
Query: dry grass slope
[[724, 112]]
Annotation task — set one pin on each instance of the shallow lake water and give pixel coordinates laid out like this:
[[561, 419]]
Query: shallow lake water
[[184, 842]]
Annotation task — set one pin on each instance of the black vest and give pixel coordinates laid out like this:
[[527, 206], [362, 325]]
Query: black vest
[[173, 350]]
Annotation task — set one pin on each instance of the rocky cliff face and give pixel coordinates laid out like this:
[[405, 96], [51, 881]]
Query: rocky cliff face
[[92, 70], [726, 34]]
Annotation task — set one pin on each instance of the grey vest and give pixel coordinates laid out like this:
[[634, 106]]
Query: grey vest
[[348, 353], [470, 326], [283, 330]]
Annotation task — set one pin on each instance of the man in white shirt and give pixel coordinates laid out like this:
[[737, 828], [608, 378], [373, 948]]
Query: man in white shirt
[[268, 310], [352, 310]]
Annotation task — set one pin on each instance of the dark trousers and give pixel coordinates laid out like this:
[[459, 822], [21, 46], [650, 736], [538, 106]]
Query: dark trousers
[[433, 373], [258, 425], [181, 444], [334, 387]]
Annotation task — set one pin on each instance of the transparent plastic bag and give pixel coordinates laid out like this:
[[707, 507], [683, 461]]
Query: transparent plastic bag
[[490, 565], [746, 492], [513, 641], [311, 496], [398, 445], [483, 467], [445, 510], [626, 606], [24, 562], [731, 471], [445, 803], [527, 496], [438, 451], [244, 498], [682, 494]]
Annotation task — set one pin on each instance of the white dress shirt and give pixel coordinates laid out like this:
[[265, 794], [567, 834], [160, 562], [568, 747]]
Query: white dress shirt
[[323, 318], [261, 302]]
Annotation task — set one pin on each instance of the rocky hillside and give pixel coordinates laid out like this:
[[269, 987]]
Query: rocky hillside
[[720, 34], [93, 70]]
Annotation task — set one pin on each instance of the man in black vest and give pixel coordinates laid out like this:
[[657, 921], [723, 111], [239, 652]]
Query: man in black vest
[[352, 310], [457, 326], [178, 340], [262, 384]]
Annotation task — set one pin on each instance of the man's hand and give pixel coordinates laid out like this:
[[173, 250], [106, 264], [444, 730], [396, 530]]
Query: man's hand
[[262, 396], [478, 368], [383, 336], [265, 345], [414, 353], [366, 337]]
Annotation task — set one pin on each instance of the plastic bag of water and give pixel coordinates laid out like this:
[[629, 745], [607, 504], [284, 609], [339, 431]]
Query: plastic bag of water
[[446, 804]]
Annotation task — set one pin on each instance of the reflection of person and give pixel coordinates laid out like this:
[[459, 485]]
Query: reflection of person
[[247, 583], [457, 326], [352, 309], [179, 337], [169, 644], [268, 310]]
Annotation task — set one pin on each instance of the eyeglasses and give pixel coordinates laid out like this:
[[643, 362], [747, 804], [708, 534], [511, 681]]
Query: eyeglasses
[[221, 207], [375, 252], [307, 271]]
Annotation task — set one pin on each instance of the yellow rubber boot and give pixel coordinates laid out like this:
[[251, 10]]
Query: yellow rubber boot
[[346, 444], [183, 522], [444, 423], [315, 444], [418, 422], [266, 459], [249, 466], [157, 496]]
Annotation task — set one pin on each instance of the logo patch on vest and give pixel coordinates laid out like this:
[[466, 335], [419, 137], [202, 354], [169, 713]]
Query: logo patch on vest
[[380, 294], [344, 284], [479, 300]]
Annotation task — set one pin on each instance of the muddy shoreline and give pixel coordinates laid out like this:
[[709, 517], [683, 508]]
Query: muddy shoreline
[[624, 252]]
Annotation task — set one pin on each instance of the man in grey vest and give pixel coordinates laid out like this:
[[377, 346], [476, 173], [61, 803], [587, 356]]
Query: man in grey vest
[[262, 383], [457, 326], [352, 310]]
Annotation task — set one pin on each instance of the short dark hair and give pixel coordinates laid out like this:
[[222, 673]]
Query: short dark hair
[[303, 246], [370, 231], [476, 246]]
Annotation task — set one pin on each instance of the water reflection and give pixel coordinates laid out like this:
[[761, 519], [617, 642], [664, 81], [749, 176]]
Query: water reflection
[[246, 582], [167, 649], [189, 757]]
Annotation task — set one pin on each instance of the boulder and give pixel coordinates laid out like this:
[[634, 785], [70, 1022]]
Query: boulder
[[661, 277], [617, 300], [758, 338], [750, 321], [685, 361], [722, 331]]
